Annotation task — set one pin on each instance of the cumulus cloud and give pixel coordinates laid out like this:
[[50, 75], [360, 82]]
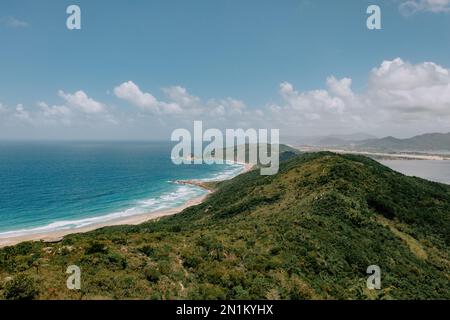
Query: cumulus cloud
[[315, 104], [54, 114], [81, 101], [22, 114], [397, 92], [179, 102], [411, 7], [418, 90], [405, 76], [180, 96], [130, 92], [78, 109], [340, 88], [54, 111], [398, 96], [226, 107]]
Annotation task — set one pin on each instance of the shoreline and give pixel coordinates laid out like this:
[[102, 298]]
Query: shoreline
[[58, 235]]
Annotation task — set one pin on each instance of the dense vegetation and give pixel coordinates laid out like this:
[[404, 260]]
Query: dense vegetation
[[309, 232]]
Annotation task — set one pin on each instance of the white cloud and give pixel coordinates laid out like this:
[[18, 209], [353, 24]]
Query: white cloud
[[228, 106], [411, 7], [58, 114], [398, 97], [130, 92], [195, 106], [315, 103], [78, 109], [54, 111], [422, 89], [340, 88], [40, 116], [22, 114], [398, 92], [180, 102], [81, 101], [12, 22], [402, 75], [180, 96]]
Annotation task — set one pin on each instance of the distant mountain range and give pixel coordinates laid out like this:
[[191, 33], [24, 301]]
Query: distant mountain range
[[425, 142], [422, 143], [329, 140]]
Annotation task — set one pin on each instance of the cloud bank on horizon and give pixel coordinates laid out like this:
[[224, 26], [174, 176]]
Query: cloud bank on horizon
[[398, 95]]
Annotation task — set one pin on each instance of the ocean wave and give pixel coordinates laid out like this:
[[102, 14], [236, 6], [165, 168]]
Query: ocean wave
[[233, 169], [168, 200]]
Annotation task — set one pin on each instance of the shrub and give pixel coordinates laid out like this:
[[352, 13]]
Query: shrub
[[176, 228], [117, 261], [21, 288], [120, 241], [96, 247], [147, 250], [191, 261], [382, 205], [152, 274]]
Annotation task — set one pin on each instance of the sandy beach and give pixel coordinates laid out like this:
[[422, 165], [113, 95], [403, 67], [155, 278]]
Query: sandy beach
[[56, 236]]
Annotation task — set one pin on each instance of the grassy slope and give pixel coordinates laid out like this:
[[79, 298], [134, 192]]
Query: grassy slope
[[309, 232]]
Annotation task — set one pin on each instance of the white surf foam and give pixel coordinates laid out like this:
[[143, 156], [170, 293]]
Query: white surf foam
[[168, 200]]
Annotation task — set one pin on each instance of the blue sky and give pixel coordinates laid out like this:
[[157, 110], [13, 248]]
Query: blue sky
[[215, 50]]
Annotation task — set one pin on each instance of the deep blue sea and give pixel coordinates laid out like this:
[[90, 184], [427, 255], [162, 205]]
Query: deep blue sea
[[50, 186]]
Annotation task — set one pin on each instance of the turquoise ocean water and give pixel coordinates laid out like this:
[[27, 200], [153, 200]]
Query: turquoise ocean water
[[50, 186]]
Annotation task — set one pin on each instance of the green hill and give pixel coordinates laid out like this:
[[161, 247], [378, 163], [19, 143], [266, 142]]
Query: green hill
[[241, 152], [309, 232]]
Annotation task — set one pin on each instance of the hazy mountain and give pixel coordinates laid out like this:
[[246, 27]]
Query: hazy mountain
[[329, 140], [425, 142]]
